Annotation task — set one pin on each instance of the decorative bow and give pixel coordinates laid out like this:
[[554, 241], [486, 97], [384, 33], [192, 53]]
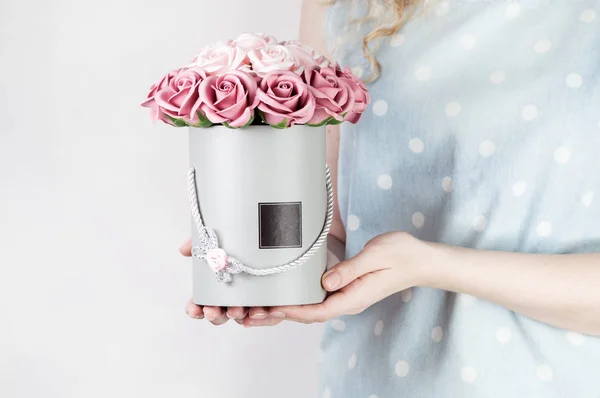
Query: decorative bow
[[209, 250]]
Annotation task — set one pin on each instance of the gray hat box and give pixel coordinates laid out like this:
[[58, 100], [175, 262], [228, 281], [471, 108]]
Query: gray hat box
[[263, 191]]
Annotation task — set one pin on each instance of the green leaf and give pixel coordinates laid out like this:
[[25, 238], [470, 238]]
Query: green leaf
[[281, 125], [323, 123], [204, 122], [249, 122], [262, 116], [245, 125], [334, 121], [177, 122]]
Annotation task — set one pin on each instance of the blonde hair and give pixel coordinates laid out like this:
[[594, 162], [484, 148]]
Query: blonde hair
[[388, 16]]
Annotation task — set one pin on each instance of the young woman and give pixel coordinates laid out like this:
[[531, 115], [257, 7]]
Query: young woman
[[469, 201]]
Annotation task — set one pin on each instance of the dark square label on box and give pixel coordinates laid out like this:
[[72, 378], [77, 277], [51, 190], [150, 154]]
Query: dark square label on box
[[279, 225]]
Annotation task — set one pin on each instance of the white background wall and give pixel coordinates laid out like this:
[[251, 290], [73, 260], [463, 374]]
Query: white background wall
[[93, 208]]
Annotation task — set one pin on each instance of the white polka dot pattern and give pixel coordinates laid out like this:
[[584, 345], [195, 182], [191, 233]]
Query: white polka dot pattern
[[468, 374], [338, 325], [489, 138], [380, 107], [423, 73], [545, 373], [385, 181], [402, 368], [416, 145], [353, 222]]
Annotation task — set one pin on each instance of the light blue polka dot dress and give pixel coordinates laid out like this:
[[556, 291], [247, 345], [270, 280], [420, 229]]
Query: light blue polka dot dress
[[484, 132]]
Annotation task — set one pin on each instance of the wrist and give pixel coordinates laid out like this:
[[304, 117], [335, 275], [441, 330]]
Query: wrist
[[429, 263]]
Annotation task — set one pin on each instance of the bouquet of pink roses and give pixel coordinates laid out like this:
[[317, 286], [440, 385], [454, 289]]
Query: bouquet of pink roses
[[283, 83], [261, 200]]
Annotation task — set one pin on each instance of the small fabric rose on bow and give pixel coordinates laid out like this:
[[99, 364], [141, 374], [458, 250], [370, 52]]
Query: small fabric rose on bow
[[285, 100], [216, 259]]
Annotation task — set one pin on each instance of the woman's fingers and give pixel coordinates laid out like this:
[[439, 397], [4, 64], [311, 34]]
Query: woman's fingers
[[215, 315], [193, 310], [345, 272], [237, 313], [353, 299], [268, 321], [255, 316], [186, 248], [258, 313]]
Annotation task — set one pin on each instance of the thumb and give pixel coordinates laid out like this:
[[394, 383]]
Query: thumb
[[343, 273]]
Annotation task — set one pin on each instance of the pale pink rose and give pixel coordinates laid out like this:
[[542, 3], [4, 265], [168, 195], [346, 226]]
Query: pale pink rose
[[176, 96], [253, 41], [361, 94], [272, 58], [219, 58], [334, 96], [229, 98], [217, 259], [285, 99], [306, 56]]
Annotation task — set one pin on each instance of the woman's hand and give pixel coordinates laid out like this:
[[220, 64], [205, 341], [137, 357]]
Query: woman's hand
[[388, 264], [219, 316]]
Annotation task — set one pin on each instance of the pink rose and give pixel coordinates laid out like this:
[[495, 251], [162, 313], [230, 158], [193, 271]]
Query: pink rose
[[285, 99], [178, 98], [361, 94], [306, 56], [272, 58], [229, 98], [334, 96], [219, 58], [154, 89], [253, 41], [216, 259]]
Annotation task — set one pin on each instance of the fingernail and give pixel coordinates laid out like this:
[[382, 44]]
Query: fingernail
[[195, 316], [278, 314], [210, 318], [332, 280], [259, 315], [230, 316]]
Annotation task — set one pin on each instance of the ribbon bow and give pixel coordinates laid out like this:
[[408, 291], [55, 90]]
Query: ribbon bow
[[209, 250]]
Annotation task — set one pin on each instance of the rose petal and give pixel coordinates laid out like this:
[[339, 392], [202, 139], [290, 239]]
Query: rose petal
[[292, 103], [272, 102], [243, 119], [319, 116], [274, 118], [234, 111], [211, 114], [226, 100], [163, 100]]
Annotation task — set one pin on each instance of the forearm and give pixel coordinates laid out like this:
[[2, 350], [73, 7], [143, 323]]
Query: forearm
[[312, 33], [561, 290]]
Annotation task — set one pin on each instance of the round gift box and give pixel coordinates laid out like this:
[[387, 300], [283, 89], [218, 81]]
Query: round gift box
[[263, 191]]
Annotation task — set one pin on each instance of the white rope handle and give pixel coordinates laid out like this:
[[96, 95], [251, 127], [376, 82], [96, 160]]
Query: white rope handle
[[225, 266]]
